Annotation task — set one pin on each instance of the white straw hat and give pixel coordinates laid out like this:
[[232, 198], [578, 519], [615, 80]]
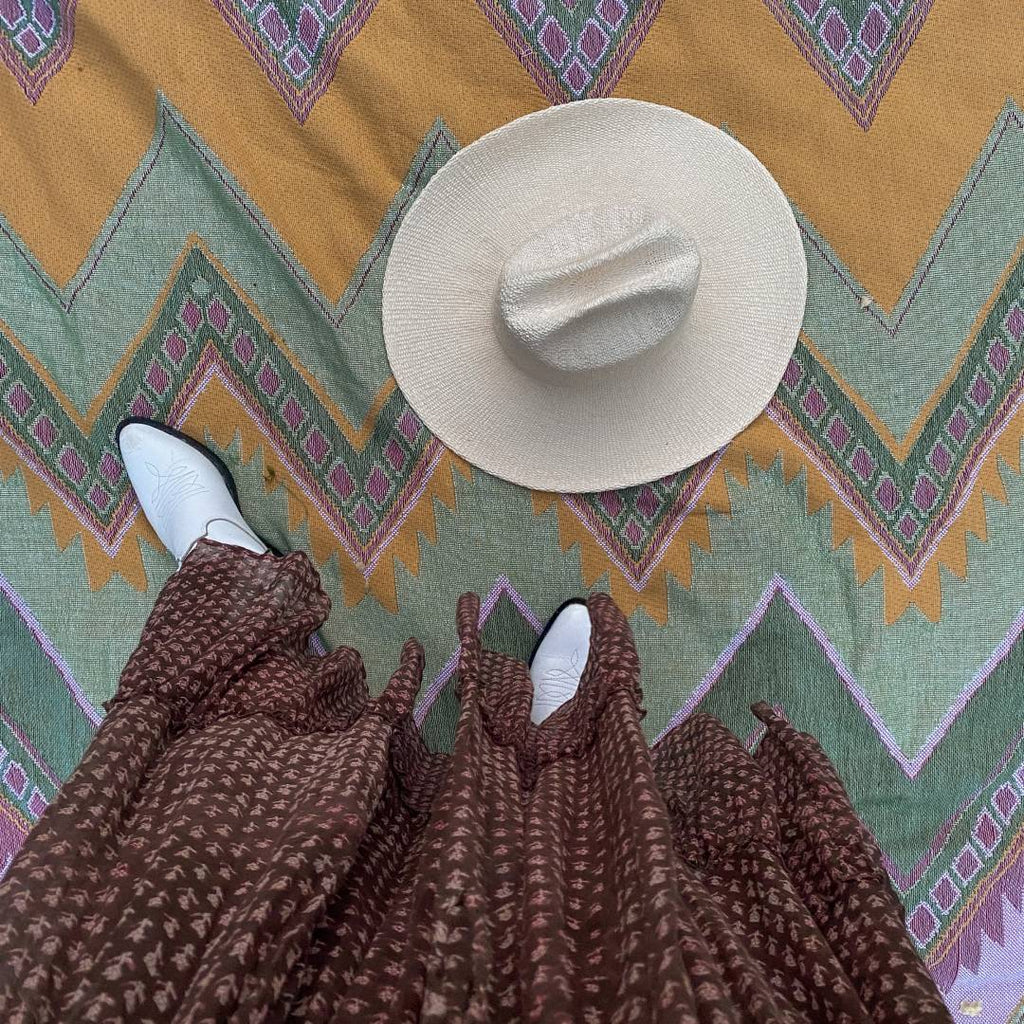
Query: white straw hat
[[595, 295]]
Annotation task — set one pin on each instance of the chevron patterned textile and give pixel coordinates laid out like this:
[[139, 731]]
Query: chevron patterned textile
[[197, 202]]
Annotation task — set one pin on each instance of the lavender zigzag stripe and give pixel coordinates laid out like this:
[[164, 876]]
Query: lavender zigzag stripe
[[904, 880], [911, 765], [29, 748], [998, 984], [46, 644], [984, 916], [502, 585]]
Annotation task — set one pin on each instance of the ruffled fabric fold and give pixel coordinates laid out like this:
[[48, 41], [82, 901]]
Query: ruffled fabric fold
[[251, 836]]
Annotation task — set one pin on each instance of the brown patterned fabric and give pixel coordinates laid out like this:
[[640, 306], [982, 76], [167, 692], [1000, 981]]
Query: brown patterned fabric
[[251, 837]]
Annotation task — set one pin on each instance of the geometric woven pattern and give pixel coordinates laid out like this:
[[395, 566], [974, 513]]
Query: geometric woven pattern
[[854, 557], [35, 40], [296, 43], [572, 50], [856, 46]]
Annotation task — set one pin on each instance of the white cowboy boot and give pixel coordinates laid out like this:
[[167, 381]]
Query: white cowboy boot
[[559, 659], [185, 490]]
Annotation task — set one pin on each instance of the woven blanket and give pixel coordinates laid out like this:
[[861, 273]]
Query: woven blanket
[[196, 206]]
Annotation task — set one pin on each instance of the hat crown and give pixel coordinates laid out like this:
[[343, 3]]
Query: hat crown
[[597, 288]]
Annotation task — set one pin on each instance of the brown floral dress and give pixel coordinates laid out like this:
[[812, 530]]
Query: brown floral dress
[[250, 837]]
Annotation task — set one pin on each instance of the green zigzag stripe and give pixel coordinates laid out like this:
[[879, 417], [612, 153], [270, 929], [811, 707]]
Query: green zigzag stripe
[[181, 188], [978, 611], [907, 506]]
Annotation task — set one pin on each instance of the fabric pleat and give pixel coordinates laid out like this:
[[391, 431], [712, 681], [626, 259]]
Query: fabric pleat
[[252, 837]]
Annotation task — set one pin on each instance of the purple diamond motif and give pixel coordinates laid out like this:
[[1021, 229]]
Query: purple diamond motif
[[394, 454], [814, 403], [576, 76], [110, 468], [36, 803], [72, 464], [1015, 322], [529, 10], [309, 30], [331, 7], [1006, 801], [908, 526], [838, 433], [29, 40], [244, 348], [593, 42], [612, 12], [273, 26], [987, 832], [44, 431], [922, 923], [980, 392], [925, 493], [157, 377], [611, 502], [43, 16], [99, 496], [292, 413], [999, 357], [378, 484], [945, 893], [633, 532], [554, 41], [362, 515], [218, 315], [857, 67], [15, 779], [793, 375], [142, 406], [191, 315], [888, 494], [341, 481], [175, 346], [940, 459], [317, 446], [268, 380], [19, 399], [1019, 777], [862, 462], [647, 502], [874, 28], [967, 864], [835, 33], [410, 425], [959, 425], [297, 63], [809, 8], [11, 12]]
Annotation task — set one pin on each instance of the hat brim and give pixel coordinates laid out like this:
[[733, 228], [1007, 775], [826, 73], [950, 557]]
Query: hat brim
[[642, 420]]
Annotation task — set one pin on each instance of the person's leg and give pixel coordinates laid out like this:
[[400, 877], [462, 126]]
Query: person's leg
[[185, 490]]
